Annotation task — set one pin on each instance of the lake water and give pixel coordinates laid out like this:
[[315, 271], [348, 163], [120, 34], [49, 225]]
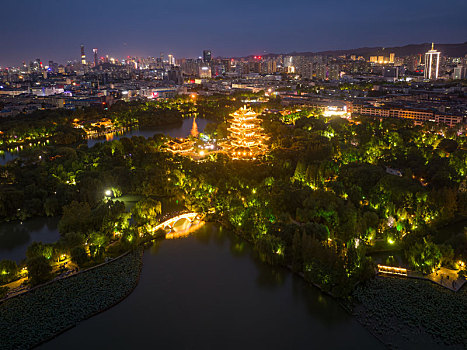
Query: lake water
[[6, 156], [182, 130], [15, 237], [210, 291]]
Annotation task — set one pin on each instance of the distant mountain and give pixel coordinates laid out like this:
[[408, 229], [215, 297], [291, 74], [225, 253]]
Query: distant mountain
[[451, 50]]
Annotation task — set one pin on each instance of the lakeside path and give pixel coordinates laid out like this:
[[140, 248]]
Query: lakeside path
[[41, 314]]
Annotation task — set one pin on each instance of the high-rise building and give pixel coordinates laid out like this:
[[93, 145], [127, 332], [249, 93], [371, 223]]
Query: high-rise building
[[189, 66], [392, 57], [83, 56], [96, 59], [175, 75], [227, 64], [460, 72], [207, 56], [432, 63], [288, 61], [171, 59], [391, 72]]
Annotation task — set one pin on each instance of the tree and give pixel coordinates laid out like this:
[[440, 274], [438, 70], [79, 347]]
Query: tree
[[8, 271], [448, 145], [424, 256], [79, 256], [51, 206], [37, 249], [76, 218], [270, 248], [297, 258], [146, 211], [97, 242], [70, 240], [39, 270]]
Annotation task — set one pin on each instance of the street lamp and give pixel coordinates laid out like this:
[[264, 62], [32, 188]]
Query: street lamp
[[108, 193]]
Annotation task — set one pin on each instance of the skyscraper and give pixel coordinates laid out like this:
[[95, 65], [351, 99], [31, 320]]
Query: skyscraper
[[460, 72], [432, 63], [96, 60], [83, 56], [171, 60], [207, 56]]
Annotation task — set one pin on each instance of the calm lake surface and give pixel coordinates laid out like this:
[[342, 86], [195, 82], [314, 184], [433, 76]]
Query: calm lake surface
[[182, 130], [6, 156], [15, 237], [209, 291]]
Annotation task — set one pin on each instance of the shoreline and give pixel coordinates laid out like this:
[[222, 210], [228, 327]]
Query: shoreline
[[105, 309], [359, 312], [358, 306], [68, 301]]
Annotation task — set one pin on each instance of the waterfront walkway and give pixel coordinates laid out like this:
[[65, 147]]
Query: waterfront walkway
[[444, 277], [447, 278]]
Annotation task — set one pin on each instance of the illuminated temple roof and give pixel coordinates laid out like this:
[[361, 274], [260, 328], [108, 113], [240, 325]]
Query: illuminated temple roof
[[246, 138]]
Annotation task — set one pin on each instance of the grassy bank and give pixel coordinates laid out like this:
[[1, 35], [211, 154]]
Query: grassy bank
[[411, 313], [35, 317]]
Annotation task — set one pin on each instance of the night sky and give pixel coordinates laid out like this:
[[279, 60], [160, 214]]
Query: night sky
[[54, 29]]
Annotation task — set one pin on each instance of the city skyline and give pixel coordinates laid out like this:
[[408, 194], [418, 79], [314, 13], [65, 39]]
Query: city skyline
[[185, 29], [93, 54]]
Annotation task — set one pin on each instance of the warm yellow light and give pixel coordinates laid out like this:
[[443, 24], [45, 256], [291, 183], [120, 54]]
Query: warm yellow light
[[201, 153]]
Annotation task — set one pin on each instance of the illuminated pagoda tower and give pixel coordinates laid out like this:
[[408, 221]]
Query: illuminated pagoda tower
[[246, 139], [194, 129]]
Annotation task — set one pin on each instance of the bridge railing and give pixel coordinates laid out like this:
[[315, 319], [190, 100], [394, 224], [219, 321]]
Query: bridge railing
[[392, 270], [174, 218]]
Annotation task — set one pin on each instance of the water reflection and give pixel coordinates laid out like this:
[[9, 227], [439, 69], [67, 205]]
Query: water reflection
[[6, 156], [15, 237], [182, 130], [318, 303], [12, 153], [12, 236], [197, 295]]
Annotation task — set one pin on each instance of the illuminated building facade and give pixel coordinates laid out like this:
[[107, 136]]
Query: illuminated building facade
[[96, 59], [83, 56], [432, 63], [246, 139], [207, 56], [171, 59]]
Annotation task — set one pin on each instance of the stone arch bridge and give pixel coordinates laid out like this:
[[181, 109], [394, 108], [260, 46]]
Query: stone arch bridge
[[190, 218]]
